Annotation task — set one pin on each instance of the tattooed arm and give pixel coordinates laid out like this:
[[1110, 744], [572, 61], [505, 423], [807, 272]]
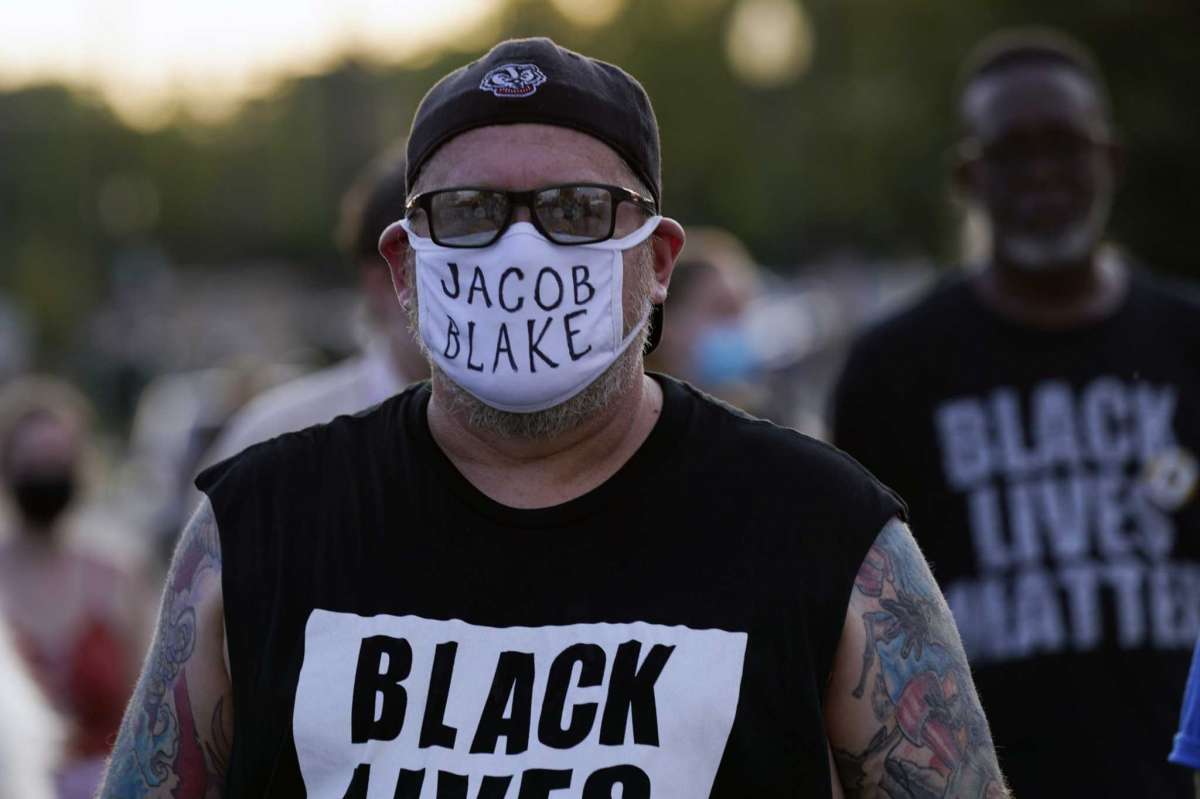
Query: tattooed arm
[[901, 711], [175, 739]]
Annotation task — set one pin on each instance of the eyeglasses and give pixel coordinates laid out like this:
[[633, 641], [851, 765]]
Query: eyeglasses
[[579, 213], [1061, 145]]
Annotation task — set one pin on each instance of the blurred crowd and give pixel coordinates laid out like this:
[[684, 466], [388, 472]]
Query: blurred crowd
[[90, 504]]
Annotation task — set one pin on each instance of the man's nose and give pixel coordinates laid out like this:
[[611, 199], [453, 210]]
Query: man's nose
[[521, 213]]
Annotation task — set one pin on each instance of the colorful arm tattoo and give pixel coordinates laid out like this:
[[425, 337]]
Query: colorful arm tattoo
[[932, 740], [161, 749]]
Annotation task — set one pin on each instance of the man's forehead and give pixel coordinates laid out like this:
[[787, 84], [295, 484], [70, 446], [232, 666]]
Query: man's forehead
[[1032, 95], [522, 156]]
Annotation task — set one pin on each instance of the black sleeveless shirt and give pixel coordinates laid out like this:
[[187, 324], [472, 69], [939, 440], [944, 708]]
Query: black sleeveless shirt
[[393, 632]]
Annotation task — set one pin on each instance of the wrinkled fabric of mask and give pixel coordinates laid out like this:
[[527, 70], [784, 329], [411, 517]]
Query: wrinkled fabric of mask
[[523, 324]]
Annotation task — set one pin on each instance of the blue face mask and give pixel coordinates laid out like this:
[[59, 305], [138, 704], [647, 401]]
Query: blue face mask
[[723, 354]]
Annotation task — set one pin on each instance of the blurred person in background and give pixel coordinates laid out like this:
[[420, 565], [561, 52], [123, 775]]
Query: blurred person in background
[[1041, 414], [30, 733], [178, 419], [79, 619], [545, 570], [391, 358], [705, 337]]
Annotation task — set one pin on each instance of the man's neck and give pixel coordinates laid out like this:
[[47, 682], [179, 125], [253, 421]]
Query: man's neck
[[1063, 297], [539, 473]]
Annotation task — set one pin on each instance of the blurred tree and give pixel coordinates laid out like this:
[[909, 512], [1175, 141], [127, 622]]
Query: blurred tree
[[846, 148]]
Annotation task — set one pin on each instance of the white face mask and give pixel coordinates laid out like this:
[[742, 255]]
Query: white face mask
[[523, 324]]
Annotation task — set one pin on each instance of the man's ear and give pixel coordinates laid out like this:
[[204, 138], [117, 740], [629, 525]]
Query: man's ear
[[393, 246], [666, 243]]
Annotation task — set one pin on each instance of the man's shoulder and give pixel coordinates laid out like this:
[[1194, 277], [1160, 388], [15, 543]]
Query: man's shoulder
[[771, 455], [797, 497], [315, 450]]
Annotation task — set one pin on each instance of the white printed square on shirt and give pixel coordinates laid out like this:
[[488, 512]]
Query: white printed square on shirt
[[402, 707]]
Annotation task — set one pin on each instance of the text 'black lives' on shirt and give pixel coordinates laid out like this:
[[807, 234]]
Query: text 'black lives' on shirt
[[394, 632], [1052, 479]]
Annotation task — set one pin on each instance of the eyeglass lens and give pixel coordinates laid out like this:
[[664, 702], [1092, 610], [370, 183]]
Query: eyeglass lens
[[565, 214], [574, 214], [468, 217]]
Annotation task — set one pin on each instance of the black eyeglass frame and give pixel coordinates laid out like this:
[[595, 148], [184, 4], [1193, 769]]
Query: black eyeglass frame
[[617, 195]]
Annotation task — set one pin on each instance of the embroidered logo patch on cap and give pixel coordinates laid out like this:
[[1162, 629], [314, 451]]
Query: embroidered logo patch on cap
[[513, 80]]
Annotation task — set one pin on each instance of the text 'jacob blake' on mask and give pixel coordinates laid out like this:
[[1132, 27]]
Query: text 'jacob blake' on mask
[[549, 293], [523, 324]]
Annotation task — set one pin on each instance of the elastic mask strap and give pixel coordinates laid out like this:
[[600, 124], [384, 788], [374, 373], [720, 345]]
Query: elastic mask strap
[[390, 230], [415, 240], [633, 239], [633, 331]]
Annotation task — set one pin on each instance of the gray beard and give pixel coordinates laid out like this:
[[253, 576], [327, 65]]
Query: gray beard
[[618, 378], [1037, 254], [1045, 254]]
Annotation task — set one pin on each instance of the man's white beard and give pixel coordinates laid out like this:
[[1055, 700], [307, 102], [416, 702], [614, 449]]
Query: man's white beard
[[1034, 253]]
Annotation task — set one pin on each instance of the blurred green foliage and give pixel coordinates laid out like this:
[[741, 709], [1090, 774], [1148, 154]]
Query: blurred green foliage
[[852, 155]]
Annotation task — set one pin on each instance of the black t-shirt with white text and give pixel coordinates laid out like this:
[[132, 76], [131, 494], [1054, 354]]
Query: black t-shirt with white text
[[1052, 480], [393, 632]]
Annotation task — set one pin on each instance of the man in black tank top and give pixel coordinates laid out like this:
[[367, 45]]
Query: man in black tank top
[[546, 573], [1041, 415]]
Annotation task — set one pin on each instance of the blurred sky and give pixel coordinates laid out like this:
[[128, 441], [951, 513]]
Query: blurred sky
[[149, 57], [145, 56]]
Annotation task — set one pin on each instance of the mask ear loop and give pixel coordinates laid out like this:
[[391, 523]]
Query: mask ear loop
[[624, 243], [654, 318], [632, 239], [387, 231], [414, 239]]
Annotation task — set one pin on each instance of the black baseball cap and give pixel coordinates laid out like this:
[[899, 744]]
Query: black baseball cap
[[536, 80]]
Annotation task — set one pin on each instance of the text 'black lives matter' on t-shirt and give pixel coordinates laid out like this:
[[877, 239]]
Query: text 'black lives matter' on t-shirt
[[1098, 468], [393, 632], [539, 709], [1052, 478]]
